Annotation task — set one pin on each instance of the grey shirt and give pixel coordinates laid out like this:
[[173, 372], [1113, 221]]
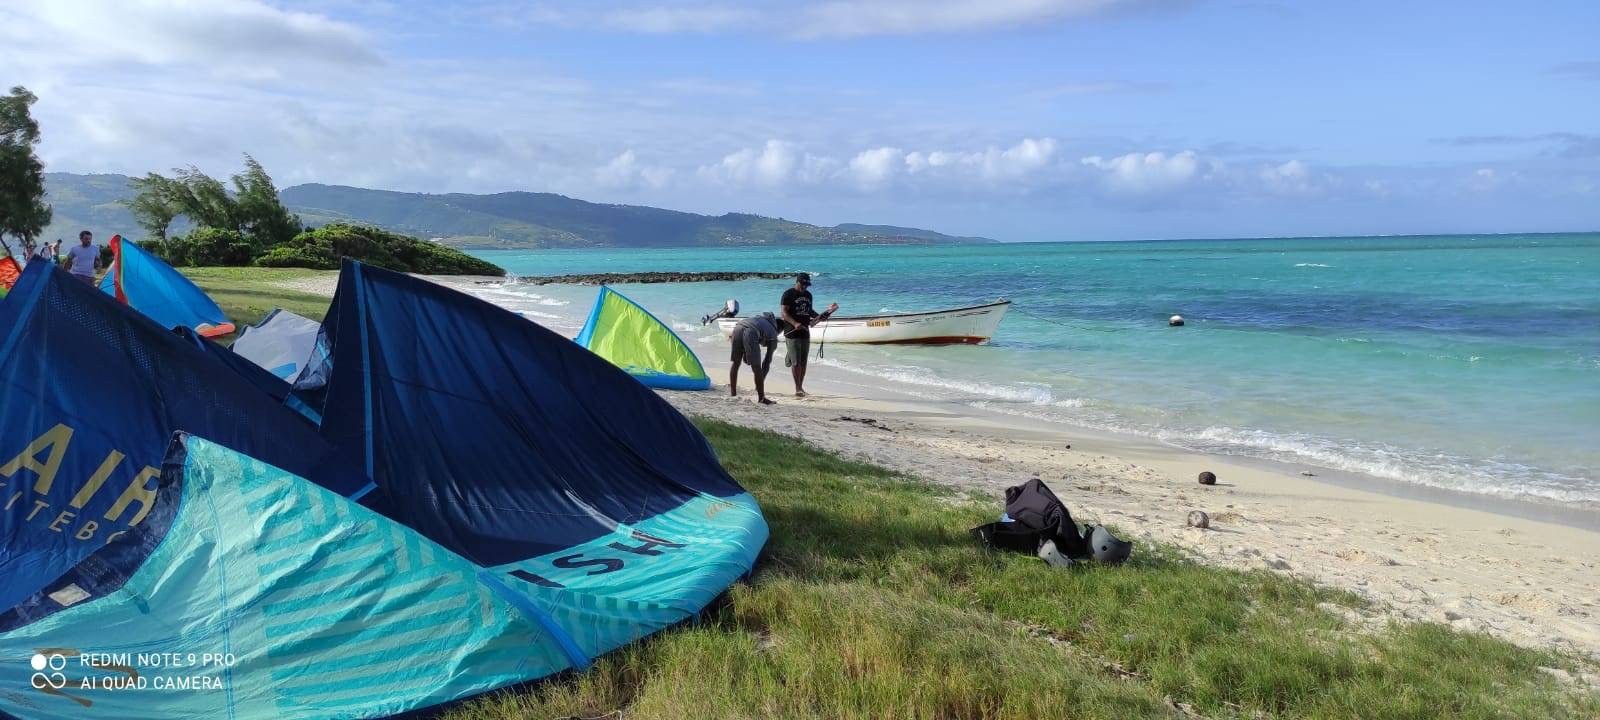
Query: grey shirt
[[766, 332], [83, 259]]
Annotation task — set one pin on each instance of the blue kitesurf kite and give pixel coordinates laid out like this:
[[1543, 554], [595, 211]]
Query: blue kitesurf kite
[[524, 506]]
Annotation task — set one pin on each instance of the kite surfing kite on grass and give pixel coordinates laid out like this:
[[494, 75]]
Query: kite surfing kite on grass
[[475, 502], [628, 336], [145, 283], [281, 343], [9, 272]]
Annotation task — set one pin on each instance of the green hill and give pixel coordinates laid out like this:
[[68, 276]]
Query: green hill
[[501, 220], [525, 219], [89, 202]]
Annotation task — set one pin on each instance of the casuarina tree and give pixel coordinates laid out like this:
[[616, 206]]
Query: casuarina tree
[[246, 219], [23, 212]]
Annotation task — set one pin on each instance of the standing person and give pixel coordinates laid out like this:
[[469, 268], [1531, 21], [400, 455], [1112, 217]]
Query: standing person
[[83, 260], [749, 336], [54, 254], [800, 313], [27, 253]]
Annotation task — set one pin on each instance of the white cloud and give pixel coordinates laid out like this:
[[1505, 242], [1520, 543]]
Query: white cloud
[[1022, 158], [625, 172], [875, 167], [678, 19], [238, 38], [775, 164], [856, 18], [1290, 178], [811, 19], [1140, 173], [991, 164], [780, 163]]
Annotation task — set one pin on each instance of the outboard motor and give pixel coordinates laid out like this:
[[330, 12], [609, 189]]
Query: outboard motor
[[729, 309]]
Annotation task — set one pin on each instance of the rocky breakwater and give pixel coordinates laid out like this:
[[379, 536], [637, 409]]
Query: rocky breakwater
[[649, 277]]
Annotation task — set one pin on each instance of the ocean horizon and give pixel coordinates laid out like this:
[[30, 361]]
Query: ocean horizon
[[1464, 362]]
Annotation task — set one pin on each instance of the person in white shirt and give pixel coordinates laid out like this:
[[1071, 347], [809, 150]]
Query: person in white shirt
[[84, 258]]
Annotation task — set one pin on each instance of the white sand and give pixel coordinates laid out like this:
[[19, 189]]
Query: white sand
[[1531, 582], [1527, 581]]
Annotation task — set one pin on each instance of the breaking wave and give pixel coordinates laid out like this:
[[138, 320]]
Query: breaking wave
[[1493, 476]]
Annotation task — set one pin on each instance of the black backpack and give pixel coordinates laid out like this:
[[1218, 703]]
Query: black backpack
[[1037, 515]]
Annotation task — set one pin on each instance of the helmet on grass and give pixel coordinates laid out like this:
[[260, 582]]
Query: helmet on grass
[[1108, 548]]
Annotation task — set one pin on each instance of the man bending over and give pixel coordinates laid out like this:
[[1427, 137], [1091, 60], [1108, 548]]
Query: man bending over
[[749, 336]]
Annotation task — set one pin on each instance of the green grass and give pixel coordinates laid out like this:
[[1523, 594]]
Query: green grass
[[871, 601], [247, 294]]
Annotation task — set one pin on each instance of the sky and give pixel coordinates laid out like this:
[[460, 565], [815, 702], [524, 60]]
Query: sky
[[1023, 120]]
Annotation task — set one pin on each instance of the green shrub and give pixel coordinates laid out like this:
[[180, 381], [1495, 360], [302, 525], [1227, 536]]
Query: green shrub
[[205, 247], [441, 260], [295, 257], [323, 247]]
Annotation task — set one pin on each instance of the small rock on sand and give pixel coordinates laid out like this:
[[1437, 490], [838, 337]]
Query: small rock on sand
[[1199, 519], [1208, 478]]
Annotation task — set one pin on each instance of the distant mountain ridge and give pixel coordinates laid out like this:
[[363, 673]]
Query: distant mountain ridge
[[529, 219], [510, 220]]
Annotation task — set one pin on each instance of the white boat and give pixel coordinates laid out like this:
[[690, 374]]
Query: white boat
[[957, 326]]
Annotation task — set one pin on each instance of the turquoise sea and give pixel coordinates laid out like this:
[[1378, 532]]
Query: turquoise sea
[[1463, 362]]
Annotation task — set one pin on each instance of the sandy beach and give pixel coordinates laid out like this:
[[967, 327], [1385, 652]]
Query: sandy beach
[[1528, 581], [1475, 567]]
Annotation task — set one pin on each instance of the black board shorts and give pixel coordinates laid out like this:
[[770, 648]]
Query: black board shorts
[[746, 347], [797, 350]]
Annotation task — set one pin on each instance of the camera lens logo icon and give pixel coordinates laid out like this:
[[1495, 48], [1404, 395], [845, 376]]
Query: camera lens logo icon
[[47, 671]]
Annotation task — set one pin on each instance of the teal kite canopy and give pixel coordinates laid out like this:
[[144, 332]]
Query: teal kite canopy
[[470, 501], [316, 607]]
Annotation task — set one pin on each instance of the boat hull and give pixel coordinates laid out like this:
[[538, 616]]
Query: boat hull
[[958, 326]]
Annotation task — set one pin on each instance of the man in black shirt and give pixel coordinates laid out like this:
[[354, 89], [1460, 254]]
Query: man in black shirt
[[801, 315]]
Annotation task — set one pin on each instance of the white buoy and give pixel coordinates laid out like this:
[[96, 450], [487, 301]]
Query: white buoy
[[1175, 321]]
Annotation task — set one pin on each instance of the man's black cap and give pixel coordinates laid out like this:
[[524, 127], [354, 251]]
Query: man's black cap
[[803, 278]]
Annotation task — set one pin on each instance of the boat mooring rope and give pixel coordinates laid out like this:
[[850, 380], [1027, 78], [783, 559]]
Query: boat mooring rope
[[1064, 324], [822, 342]]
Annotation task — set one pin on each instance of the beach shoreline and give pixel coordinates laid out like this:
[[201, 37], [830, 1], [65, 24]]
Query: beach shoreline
[[1527, 580], [1485, 565]]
